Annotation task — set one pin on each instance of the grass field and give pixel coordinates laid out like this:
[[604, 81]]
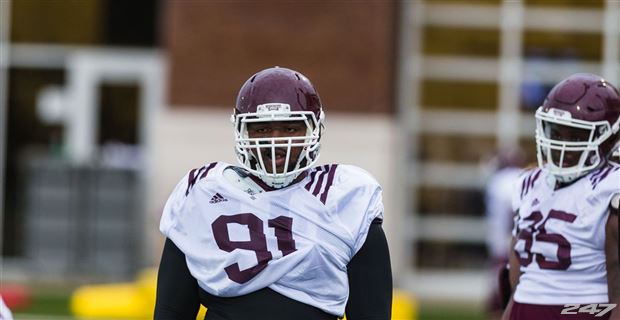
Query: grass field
[[55, 306]]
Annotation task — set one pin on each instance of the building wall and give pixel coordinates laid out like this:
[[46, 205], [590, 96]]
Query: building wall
[[346, 49]]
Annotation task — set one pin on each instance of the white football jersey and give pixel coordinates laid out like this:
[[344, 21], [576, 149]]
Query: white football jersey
[[498, 203], [296, 240], [561, 237], [5, 313]]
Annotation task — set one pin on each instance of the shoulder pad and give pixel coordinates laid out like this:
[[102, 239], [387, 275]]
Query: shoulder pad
[[197, 174], [321, 180], [528, 179]]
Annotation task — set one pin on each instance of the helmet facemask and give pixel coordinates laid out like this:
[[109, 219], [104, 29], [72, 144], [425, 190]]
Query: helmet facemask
[[258, 155], [570, 148]]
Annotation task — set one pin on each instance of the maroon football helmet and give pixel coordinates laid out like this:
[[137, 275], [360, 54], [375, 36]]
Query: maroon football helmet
[[277, 94], [577, 126]]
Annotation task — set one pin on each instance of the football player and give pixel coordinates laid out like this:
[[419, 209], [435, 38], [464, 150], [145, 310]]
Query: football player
[[507, 167], [275, 237], [5, 313], [565, 239]]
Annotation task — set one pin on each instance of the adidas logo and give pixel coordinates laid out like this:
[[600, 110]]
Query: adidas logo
[[217, 198]]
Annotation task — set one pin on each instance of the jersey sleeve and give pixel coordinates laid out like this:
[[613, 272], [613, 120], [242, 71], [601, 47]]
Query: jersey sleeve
[[178, 198], [518, 191], [606, 182], [174, 205], [357, 201], [374, 211], [498, 201]]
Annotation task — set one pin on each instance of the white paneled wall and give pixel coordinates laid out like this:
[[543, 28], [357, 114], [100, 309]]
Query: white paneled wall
[[512, 18]]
